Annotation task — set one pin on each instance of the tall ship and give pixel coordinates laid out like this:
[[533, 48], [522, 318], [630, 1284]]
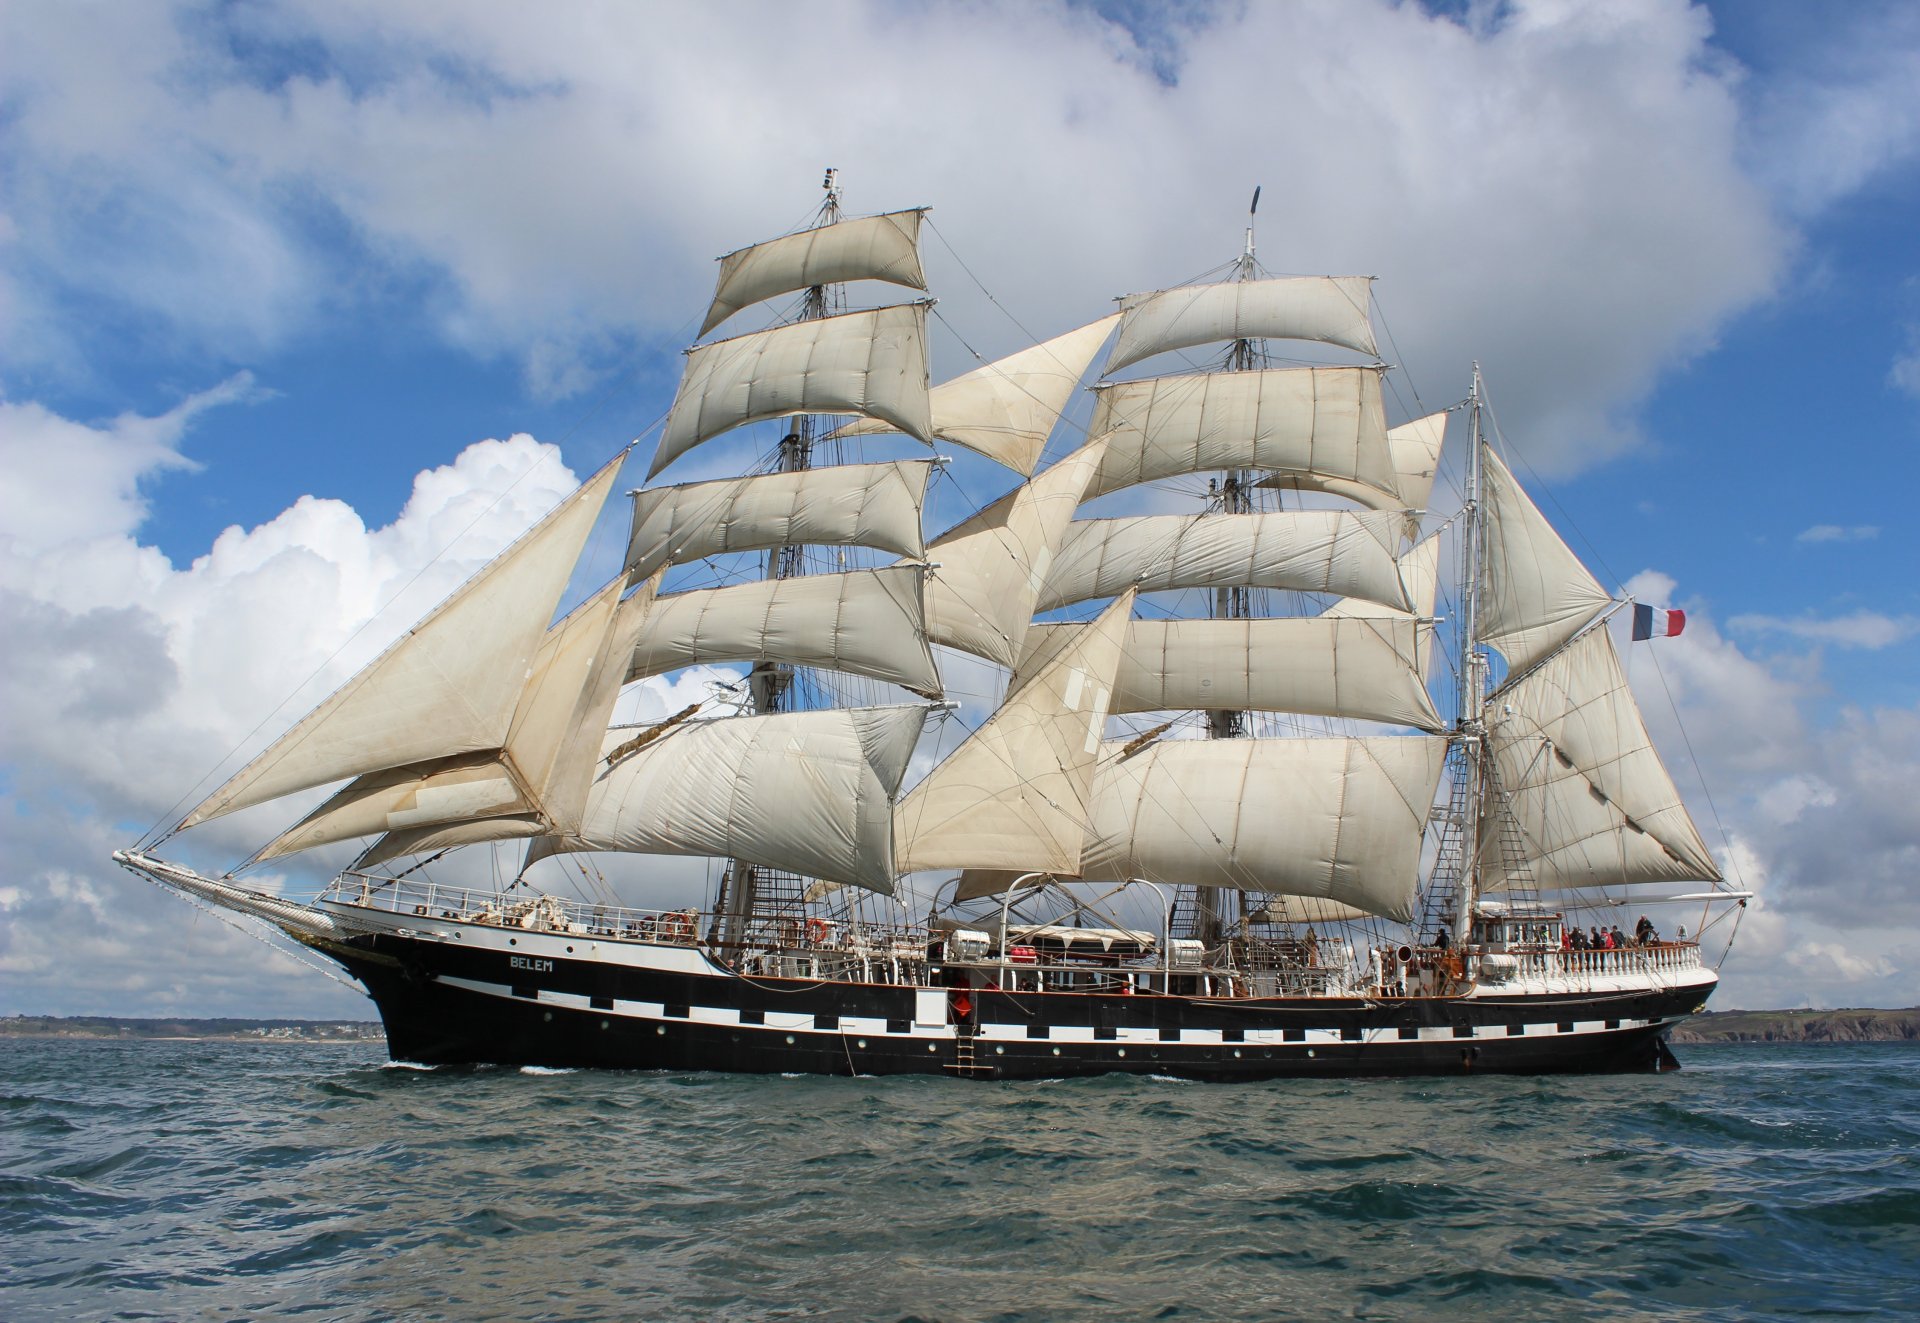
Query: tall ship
[[1141, 766]]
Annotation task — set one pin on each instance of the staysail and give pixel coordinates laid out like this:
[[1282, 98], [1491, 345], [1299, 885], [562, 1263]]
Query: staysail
[[1014, 794], [1006, 409], [448, 687], [993, 565], [1536, 593], [1577, 771]]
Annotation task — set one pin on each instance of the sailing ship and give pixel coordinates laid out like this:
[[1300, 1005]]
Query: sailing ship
[[1228, 843]]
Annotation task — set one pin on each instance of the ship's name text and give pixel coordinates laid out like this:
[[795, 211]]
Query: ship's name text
[[529, 963]]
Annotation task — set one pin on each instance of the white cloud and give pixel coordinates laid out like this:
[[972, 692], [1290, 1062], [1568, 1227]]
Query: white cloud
[[1557, 189], [1859, 629], [127, 677], [1838, 533]]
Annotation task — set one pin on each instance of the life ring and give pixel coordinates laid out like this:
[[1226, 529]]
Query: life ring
[[817, 931], [677, 926]]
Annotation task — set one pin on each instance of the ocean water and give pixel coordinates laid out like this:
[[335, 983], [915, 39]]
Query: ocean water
[[177, 1180]]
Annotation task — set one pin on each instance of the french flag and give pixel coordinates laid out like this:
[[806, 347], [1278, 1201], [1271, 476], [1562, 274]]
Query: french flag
[[1650, 622]]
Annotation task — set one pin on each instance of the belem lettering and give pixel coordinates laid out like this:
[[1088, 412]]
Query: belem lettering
[[529, 963]]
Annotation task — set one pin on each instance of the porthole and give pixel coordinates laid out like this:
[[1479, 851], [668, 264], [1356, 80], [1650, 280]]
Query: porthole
[[1309, 1051], [548, 1017], [789, 1038], [1123, 1051], [1056, 1051], [606, 1024], [860, 1043], [569, 950], [999, 1051], [1236, 1054], [660, 1029], [513, 941], [933, 1047]]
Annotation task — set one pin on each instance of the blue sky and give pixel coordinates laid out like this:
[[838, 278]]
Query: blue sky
[[256, 253]]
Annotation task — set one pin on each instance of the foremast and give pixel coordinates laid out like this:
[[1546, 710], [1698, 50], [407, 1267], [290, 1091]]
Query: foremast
[[749, 893]]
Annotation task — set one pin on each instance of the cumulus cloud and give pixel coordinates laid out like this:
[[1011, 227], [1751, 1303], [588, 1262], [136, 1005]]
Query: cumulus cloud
[[1553, 185], [127, 676]]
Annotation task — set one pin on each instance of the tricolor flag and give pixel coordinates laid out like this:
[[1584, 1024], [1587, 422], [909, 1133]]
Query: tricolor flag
[[1650, 622]]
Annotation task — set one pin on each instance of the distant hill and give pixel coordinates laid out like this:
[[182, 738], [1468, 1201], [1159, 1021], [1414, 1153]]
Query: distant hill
[[109, 1026], [1851, 1026]]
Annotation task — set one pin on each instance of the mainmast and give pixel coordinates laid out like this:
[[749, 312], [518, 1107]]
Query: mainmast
[[1231, 493]]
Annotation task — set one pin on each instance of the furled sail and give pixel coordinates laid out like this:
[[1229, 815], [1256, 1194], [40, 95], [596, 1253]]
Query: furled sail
[[807, 792], [870, 363], [1365, 669], [1014, 794], [868, 622], [1415, 452], [991, 566], [1330, 309], [1537, 594], [859, 505], [1327, 421], [545, 764], [451, 683], [1006, 409], [885, 247], [1323, 551], [1338, 819], [1594, 804]]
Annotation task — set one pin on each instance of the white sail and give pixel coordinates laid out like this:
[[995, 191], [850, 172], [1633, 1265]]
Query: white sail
[[1537, 594], [1364, 669], [1326, 421], [1323, 551], [451, 683], [885, 247], [545, 765], [1593, 802], [1014, 794], [869, 363], [991, 566], [1338, 819], [861, 505], [450, 835], [807, 792], [1330, 309], [868, 622], [1420, 576], [1414, 449], [1006, 409]]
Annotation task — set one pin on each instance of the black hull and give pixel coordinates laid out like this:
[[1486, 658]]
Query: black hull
[[444, 1005]]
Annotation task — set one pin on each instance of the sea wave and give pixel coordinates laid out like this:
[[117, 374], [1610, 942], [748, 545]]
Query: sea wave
[[208, 1179]]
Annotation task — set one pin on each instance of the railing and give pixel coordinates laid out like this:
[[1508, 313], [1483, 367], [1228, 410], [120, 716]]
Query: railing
[[1655, 957], [533, 912]]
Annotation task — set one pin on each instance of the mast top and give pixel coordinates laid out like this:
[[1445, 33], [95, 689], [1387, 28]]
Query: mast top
[[1246, 257]]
